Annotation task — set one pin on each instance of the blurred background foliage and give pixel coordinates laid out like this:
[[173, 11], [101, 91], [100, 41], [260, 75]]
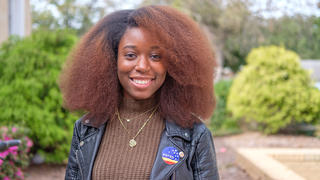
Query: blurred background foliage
[[222, 122], [72, 15], [233, 26], [274, 91], [29, 67], [29, 92]]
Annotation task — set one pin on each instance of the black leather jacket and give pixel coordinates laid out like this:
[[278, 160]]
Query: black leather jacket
[[197, 155]]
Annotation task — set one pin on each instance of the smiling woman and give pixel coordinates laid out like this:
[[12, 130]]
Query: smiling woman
[[145, 78]]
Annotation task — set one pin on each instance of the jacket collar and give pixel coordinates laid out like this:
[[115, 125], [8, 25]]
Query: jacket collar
[[173, 130]]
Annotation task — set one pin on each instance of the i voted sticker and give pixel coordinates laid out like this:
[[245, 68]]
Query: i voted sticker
[[170, 155]]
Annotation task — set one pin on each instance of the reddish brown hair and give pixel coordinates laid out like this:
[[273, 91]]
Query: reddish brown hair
[[89, 80]]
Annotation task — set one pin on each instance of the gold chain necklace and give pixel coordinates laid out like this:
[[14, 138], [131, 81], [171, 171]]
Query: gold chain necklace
[[132, 141], [129, 119]]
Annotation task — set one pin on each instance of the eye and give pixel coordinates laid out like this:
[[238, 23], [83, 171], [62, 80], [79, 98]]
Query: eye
[[155, 57], [130, 55]]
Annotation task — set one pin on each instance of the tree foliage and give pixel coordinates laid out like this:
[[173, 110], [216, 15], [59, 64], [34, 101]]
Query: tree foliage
[[29, 94], [298, 33], [71, 15]]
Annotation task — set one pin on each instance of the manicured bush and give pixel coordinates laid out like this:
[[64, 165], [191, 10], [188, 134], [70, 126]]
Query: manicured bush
[[221, 121], [274, 91], [29, 94], [15, 158]]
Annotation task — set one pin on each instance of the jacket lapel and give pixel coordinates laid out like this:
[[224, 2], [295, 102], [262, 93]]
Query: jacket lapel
[[90, 139], [95, 149], [172, 151]]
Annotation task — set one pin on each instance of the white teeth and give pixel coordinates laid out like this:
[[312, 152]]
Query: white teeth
[[141, 81]]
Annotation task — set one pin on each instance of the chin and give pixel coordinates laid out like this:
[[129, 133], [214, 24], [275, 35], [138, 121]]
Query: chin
[[141, 96]]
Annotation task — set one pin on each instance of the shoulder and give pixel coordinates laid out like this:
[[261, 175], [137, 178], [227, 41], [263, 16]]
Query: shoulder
[[200, 131], [83, 127], [204, 158], [78, 125], [78, 122], [194, 133]]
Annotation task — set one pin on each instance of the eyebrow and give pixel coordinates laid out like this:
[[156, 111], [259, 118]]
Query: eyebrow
[[129, 47], [134, 47], [155, 47]]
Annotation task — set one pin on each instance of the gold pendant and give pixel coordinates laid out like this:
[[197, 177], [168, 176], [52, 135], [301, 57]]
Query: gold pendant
[[132, 143]]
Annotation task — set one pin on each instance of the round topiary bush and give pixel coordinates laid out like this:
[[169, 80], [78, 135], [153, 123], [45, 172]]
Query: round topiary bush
[[274, 91], [29, 93]]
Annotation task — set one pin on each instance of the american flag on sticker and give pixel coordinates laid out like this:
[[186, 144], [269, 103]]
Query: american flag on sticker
[[170, 155]]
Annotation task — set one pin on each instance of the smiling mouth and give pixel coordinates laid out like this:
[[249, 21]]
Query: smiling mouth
[[141, 83]]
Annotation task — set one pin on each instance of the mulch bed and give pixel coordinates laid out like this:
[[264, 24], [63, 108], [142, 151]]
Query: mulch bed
[[45, 172]]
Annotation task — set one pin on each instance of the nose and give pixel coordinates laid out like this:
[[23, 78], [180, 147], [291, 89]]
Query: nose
[[142, 64]]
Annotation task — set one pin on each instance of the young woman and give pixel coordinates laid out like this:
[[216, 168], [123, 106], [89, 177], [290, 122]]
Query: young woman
[[145, 79]]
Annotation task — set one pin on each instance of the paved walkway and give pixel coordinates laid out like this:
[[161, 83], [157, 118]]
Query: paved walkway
[[226, 162]]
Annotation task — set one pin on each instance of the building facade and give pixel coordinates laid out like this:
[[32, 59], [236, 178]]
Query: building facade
[[313, 66], [15, 18]]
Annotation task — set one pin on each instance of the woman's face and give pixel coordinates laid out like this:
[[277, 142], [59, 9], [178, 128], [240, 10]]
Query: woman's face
[[141, 66]]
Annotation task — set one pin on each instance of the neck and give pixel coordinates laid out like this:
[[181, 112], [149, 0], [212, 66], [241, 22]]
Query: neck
[[133, 105]]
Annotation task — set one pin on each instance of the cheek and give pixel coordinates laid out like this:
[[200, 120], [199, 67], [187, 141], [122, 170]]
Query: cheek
[[162, 75], [122, 70], [123, 67], [162, 70]]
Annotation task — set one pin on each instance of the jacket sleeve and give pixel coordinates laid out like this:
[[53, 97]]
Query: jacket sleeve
[[72, 171], [204, 162]]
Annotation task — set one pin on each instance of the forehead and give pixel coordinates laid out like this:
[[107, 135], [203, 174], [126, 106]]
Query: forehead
[[139, 36]]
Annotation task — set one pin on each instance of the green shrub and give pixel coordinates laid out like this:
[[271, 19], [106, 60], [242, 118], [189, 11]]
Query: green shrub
[[274, 91], [221, 122], [29, 94]]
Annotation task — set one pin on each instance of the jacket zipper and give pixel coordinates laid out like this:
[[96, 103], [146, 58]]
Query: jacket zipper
[[79, 164], [173, 176]]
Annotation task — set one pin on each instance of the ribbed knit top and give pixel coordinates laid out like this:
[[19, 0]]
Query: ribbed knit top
[[115, 158]]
